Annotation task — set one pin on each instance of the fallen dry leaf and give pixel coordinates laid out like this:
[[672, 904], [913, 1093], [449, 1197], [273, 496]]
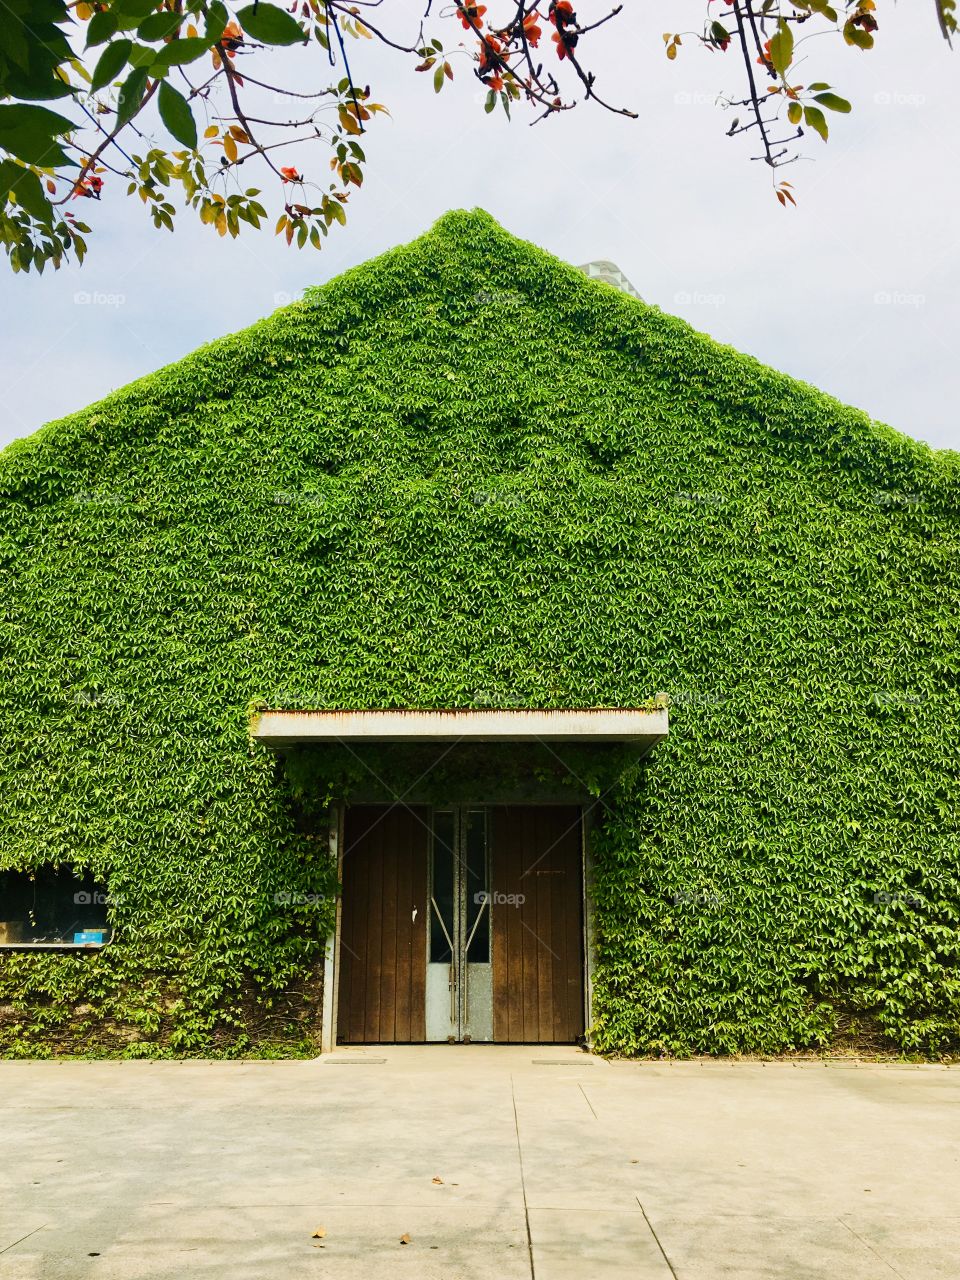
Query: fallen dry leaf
[[319, 1233], [438, 1182], [404, 1239]]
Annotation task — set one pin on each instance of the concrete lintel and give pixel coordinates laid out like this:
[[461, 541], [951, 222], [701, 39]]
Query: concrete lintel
[[281, 729]]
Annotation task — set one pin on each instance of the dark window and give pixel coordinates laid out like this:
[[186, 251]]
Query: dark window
[[53, 906]]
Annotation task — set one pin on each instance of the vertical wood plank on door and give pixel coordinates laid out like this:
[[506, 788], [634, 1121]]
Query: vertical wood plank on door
[[379, 852], [543, 873], [537, 947], [414, 929], [382, 947], [405, 945], [389, 931], [576, 993]]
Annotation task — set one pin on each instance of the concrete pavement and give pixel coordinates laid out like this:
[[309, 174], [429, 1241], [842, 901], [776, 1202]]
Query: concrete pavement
[[505, 1162]]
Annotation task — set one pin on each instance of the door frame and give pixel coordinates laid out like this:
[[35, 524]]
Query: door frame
[[331, 964]]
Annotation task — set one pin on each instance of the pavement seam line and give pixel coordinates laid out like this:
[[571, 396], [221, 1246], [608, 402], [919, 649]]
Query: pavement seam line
[[867, 1245], [587, 1100], [22, 1238], [523, 1182], [657, 1238]]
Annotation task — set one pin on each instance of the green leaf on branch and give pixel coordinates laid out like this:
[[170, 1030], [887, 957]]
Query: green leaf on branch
[[856, 36], [267, 23], [131, 95], [833, 102], [781, 48], [179, 52], [110, 63], [794, 113], [30, 132], [41, 119], [26, 189], [817, 121], [217, 19], [159, 25], [176, 115], [101, 27], [133, 12]]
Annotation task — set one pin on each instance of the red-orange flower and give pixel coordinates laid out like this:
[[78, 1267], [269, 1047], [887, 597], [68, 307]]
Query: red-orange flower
[[563, 17], [232, 37], [290, 174], [565, 44], [471, 15], [489, 52], [90, 186], [531, 29]]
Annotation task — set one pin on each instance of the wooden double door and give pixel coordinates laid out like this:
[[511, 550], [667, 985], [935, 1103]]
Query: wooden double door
[[461, 924]]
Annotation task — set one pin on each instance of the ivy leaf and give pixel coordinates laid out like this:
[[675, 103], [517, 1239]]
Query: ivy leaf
[[176, 115], [110, 63], [269, 24]]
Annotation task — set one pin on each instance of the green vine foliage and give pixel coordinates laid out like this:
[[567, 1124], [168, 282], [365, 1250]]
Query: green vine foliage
[[464, 475]]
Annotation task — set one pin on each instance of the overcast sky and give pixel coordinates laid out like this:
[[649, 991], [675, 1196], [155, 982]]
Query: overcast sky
[[855, 291]]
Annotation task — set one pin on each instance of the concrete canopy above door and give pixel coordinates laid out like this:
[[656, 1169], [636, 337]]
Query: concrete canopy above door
[[642, 727]]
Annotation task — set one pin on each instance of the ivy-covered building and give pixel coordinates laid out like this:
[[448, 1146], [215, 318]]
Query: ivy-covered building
[[472, 651]]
